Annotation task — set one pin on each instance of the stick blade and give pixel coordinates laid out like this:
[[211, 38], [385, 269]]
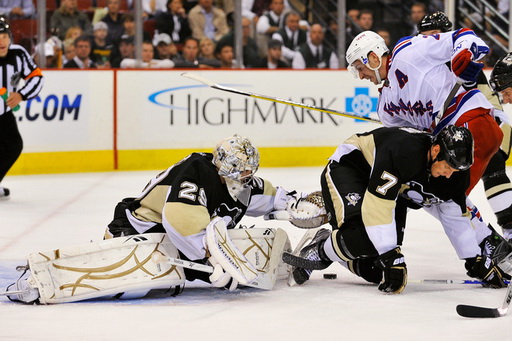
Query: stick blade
[[477, 312], [197, 78]]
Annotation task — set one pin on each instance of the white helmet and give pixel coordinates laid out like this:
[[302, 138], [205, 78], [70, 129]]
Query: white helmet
[[237, 160], [364, 43]]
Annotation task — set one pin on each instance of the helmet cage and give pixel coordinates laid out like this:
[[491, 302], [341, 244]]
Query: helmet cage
[[236, 160]]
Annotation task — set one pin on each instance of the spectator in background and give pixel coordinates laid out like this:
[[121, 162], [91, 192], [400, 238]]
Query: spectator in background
[[69, 15], [273, 20], [207, 20], [386, 36], [151, 8], [291, 36], [418, 11], [249, 50], [314, 54], [165, 49], [174, 22], [148, 61], [352, 24], [17, 9], [125, 49], [365, 20], [189, 57], [273, 60], [101, 50], [69, 51], [81, 59], [73, 32], [225, 56], [114, 21], [49, 55], [129, 27], [207, 52]]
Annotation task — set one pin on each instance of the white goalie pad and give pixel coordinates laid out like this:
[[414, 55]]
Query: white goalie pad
[[263, 247], [131, 265]]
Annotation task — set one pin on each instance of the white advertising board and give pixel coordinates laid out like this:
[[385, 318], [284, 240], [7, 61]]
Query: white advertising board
[[73, 112], [163, 110]]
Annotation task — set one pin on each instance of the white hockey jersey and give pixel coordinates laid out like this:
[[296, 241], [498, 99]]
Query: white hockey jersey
[[420, 80]]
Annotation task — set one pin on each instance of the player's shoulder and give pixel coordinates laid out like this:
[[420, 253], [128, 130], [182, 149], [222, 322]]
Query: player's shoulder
[[402, 139]]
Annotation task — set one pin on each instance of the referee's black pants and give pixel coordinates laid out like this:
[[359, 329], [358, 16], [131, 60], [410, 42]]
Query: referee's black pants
[[11, 143]]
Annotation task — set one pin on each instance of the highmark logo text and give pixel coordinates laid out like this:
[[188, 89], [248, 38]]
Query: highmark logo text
[[188, 105]]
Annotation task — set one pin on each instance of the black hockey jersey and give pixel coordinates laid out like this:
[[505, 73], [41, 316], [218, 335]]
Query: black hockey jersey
[[185, 197]]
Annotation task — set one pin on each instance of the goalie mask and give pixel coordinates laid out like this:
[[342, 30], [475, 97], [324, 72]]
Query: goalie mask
[[456, 147], [237, 160], [501, 76], [364, 43]]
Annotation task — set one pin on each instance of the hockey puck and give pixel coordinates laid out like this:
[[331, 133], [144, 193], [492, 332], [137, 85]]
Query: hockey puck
[[330, 276]]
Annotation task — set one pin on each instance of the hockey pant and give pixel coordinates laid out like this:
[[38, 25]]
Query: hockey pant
[[11, 142], [343, 189]]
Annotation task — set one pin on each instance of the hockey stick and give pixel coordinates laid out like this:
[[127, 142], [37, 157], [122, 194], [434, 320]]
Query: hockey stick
[[274, 99], [482, 312], [447, 281]]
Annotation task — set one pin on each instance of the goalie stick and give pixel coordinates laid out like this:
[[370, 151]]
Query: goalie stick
[[482, 312], [214, 85]]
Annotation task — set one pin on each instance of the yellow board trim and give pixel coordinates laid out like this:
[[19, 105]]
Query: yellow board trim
[[101, 161]]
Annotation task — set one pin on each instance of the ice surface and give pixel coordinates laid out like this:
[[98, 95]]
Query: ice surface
[[52, 211]]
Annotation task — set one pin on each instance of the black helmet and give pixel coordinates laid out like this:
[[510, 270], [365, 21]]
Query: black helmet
[[4, 26], [501, 75], [436, 21], [456, 147]]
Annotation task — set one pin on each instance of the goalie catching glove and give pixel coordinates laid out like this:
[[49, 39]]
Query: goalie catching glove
[[308, 211]]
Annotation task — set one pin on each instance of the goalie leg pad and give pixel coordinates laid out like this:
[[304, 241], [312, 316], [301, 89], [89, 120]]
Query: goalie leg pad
[[126, 265]]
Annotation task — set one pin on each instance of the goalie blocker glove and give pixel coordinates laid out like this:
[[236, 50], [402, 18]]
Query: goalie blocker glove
[[484, 268], [392, 263]]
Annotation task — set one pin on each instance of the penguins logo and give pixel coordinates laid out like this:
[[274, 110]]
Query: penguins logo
[[353, 198]]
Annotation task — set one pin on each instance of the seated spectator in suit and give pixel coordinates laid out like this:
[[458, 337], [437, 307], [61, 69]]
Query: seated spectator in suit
[[249, 50], [100, 49], [81, 59], [270, 22], [69, 15], [68, 51], [17, 9], [207, 20], [314, 54], [174, 22], [114, 21], [292, 36], [147, 59], [189, 57], [273, 60]]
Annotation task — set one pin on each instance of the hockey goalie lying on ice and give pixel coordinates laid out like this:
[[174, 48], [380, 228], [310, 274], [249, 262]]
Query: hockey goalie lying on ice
[[181, 227]]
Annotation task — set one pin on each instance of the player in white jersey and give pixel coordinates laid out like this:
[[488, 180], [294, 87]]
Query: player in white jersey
[[417, 91], [417, 83], [497, 185]]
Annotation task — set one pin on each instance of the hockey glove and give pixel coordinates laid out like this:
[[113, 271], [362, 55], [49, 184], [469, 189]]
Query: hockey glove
[[484, 268], [392, 263], [465, 68]]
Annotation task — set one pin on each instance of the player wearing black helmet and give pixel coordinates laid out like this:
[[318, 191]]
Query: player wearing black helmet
[[434, 23], [15, 64], [369, 183]]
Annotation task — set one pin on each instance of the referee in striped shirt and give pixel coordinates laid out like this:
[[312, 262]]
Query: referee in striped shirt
[[15, 64]]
